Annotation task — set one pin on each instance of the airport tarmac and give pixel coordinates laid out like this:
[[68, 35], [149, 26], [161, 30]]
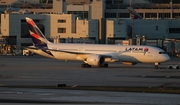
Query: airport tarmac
[[37, 70], [41, 71]]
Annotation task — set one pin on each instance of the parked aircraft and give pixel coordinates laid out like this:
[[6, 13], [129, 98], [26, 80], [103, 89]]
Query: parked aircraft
[[94, 54]]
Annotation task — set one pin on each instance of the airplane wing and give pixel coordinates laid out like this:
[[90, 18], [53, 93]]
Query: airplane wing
[[83, 55], [78, 53]]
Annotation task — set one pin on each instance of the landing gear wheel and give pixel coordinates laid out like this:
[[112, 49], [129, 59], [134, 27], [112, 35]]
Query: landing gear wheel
[[170, 67], [88, 66], [85, 65], [177, 67], [156, 67], [104, 65]]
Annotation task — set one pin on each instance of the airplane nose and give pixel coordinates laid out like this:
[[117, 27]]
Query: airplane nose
[[167, 58], [164, 58]]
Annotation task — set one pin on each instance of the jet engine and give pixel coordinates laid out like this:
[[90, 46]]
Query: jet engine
[[95, 60]]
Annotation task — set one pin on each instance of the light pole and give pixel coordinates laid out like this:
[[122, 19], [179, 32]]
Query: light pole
[[83, 12], [132, 30], [10, 4], [132, 17]]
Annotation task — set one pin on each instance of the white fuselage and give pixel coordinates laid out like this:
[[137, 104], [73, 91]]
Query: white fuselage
[[124, 53]]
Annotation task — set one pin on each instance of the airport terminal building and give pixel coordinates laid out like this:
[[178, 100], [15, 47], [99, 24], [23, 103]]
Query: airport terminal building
[[91, 21]]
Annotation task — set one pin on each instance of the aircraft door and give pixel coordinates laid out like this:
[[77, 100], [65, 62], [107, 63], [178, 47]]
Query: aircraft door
[[81, 49], [151, 56], [149, 53]]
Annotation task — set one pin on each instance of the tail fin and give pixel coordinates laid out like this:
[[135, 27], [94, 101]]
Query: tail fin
[[37, 36]]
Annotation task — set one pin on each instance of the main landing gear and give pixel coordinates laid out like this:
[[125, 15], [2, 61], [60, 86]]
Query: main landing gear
[[105, 65], [156, 65], [85, 65]]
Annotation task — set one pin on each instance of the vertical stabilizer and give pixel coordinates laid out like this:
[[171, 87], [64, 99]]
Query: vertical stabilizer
[[37, 36]]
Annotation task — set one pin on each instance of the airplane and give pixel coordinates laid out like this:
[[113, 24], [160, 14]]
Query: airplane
[[94, 54]]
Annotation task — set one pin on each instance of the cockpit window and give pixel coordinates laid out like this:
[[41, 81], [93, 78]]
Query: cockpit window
[[162, 52]]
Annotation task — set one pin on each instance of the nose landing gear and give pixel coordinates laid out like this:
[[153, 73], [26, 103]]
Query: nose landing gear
[[156, 65]]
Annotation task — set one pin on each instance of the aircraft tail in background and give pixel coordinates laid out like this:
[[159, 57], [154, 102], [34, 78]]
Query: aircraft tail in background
[[133, 13]]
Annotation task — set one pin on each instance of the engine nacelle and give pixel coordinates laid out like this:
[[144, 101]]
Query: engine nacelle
[[95, 60]]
